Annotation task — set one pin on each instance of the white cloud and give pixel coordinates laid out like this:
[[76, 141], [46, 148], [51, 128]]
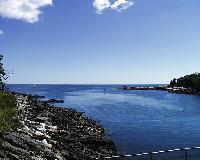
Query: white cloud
[[30, 10], [121, 4], [1, 32], [26, 10], [101, 5]]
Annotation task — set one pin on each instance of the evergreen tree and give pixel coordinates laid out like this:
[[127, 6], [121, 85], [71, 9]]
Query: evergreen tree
[[173, 82], [189, 81]]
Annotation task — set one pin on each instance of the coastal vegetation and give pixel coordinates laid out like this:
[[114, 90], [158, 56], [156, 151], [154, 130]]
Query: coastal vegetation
[[7, 112], [191, 81], [7, 106]]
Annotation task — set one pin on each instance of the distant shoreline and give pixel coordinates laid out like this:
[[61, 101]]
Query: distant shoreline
[[178, 90]]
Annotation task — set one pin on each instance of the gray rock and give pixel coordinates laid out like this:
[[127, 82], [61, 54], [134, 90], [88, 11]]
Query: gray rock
[[24, 141], [15, 152]]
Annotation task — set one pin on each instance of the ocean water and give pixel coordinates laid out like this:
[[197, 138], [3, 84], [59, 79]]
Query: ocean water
[[137, 121]]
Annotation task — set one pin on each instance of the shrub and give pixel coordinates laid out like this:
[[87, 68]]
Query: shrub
[[7, 112]]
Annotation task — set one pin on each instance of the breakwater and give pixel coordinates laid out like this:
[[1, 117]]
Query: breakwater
[[179, 90], [49, 132]]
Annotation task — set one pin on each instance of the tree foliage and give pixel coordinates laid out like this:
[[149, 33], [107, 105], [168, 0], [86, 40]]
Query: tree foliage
[[7, 113], [191, 81], [2, 71]]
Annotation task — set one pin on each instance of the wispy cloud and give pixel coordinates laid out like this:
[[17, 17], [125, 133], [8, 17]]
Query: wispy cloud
[[1, 32], [26, 10], [121, 4], [101, 5]]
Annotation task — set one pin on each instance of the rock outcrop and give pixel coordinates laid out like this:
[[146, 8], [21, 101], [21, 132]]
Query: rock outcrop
[[48, 132]]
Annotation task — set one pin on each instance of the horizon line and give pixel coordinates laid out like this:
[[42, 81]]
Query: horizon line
[[85, 83]]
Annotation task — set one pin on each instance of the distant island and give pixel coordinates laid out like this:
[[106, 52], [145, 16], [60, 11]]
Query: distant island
[[189, 84]]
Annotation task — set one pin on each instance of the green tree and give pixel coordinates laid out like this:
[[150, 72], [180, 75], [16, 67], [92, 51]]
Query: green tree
[[191, 81], [173, 82], [2, 72]]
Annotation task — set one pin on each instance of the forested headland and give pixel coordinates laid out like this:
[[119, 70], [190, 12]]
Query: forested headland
[[191, 81]]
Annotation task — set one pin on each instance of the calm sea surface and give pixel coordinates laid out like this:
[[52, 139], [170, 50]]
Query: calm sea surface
[[137, 121]]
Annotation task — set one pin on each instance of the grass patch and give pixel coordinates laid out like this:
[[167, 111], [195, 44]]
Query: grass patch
[[7, 113]]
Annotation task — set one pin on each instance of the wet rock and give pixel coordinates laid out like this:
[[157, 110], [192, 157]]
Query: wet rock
[[36, 96], [54, 101]]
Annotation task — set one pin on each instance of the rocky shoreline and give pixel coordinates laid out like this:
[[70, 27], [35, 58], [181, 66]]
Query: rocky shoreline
[[48, 132]]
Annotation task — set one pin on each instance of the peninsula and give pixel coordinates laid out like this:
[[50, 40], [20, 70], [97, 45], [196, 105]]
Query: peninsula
[[189, 84]]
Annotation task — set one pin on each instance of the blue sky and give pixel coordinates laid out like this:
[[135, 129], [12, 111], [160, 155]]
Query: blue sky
[[150, 41]]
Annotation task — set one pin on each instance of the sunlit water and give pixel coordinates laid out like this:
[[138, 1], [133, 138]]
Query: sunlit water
[[137, 121]]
